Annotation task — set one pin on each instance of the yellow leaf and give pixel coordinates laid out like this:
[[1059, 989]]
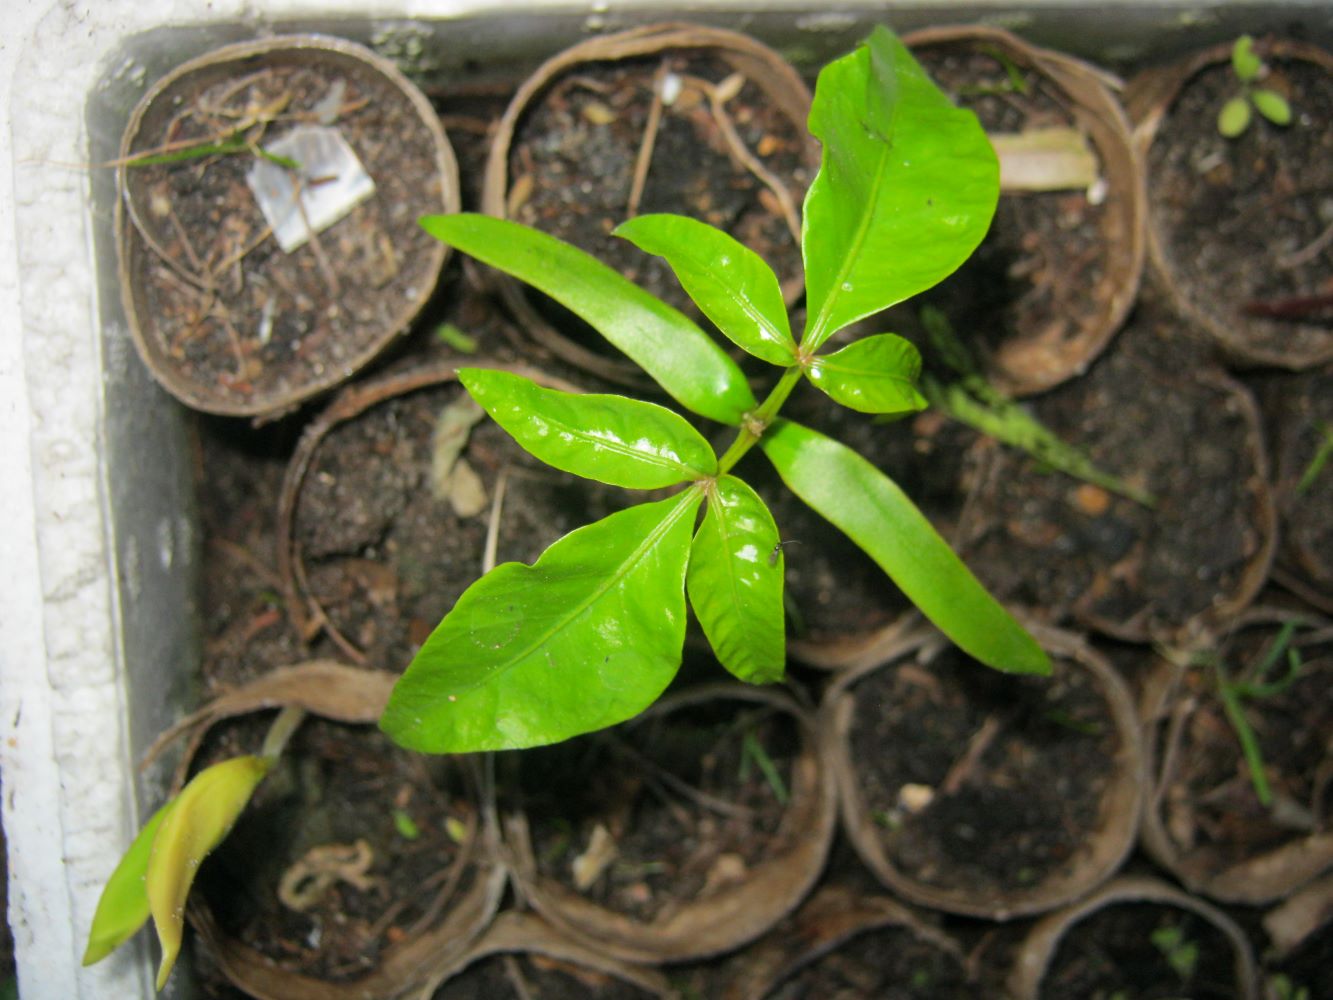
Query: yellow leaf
[[202, 816]]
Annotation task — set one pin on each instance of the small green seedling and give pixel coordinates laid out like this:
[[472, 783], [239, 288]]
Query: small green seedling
[[972, 400], [592, 633], [1180, 952], [1281, 987], [1320, 458], [1235, 116], [1252, 685]]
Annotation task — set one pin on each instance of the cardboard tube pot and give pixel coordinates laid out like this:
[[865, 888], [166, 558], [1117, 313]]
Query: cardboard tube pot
[[521, 955], [1037, 962], [454, 897], [981, 794], [1060, 269], [387, 502], [1206, 820], [1237, 229], [669, 89], [312, 142], [882, 946], [684, 833]]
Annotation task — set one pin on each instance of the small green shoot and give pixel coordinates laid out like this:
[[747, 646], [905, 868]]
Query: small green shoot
[[452, 336], [1281, 987], [1251, 685], [1320, 458], [1235, 116], [973, 401], [1180, 952], [405, 825], [753, 750]]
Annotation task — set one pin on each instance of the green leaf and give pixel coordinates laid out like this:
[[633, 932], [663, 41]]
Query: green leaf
[[874, 513], [684, 360], [1244, 60], [1271, 105], [735, 583], [905, 192], [586, 637], [873, 375], [1234, 118], [611, 439], [726, 279], [123, 906], [203, 815]]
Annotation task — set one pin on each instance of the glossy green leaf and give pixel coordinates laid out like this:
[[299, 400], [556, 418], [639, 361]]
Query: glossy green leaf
[[611, 439], [1271, 105], [586, 637], [202, 816], [727, 280], [874, 513], [684, 360], [735, 583], [1234, 118], [1244, 60], [873, 375], [905, 192], [123, 906]]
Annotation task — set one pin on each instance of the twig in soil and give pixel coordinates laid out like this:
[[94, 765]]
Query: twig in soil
[[516, 978], [962, 768], [717, 97], [645, 157], [242, 555], [729, 809], [493, 525], [1300, 308], [1297, 258]]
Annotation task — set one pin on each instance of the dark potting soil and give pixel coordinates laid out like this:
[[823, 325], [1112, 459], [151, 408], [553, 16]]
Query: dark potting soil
[[573, 157], [1210, 805], [833, 589], [535, 977], [233, 311], [1299, 410], [1246, 220], [1153, 412], [386, 556], [688, 802], [365, 835], [886, 964], [1039, 277], [1012, 770], [1142, 950]]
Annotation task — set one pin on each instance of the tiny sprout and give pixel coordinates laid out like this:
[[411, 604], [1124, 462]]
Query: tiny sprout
[[1235, 116]]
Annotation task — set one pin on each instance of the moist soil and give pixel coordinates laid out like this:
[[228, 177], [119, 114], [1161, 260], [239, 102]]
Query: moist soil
[[886, 964], [1210, 806], [233, 313], [1245, 223], [386, 555], [1299, 409], [536, 977], [1155, 413], [1040, 275], [342, 850], [573, 158], [688, 803], [1112, 953], [1009, 771]]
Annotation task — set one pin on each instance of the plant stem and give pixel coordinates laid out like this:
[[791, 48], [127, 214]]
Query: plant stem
[[281, 731], [754, 425]]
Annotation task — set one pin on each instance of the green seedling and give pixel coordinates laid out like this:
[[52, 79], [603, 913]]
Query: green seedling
[[1180, 952], [1252, 685], [1236, 113], [972, 400], [1320, 458], [592, 633], [1281, 987]]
